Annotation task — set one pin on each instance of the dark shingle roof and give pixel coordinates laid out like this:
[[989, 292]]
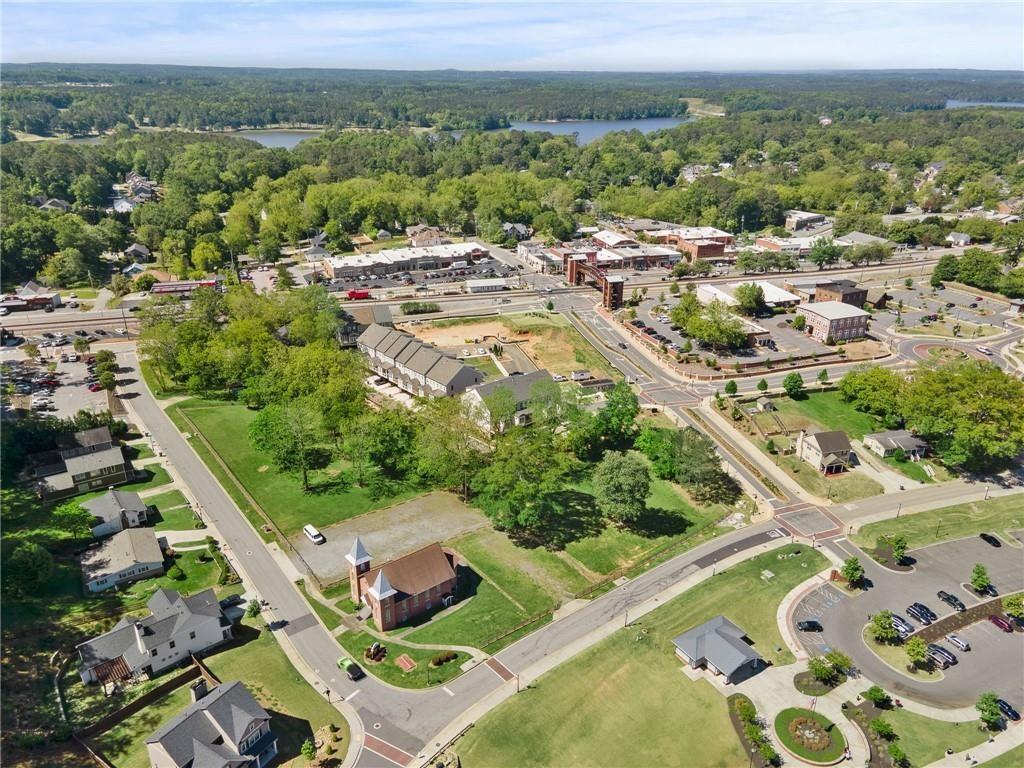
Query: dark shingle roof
[[519, 386], [719, 642], [109, 505]]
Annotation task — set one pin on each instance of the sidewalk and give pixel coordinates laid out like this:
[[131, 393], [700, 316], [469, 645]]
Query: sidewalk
[[1003, 742]]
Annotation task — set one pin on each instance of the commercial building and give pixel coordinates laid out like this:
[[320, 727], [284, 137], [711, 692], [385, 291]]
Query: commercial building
[[539, 257], [413, 365], [773, 295], [222, 728], [394, 260], [845, 291], [831, 321], [175, 628], [719, 646], [797, 220], [486, 285], [184, 289], [130, 555], [404, 588]]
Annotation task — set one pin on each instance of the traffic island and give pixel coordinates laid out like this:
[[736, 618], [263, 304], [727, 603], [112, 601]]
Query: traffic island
[[810, 737]]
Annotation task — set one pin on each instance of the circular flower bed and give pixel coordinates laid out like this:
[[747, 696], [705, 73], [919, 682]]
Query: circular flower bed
[[809, 736]]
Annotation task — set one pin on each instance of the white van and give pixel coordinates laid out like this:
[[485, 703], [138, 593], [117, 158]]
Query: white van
[[313, 534]]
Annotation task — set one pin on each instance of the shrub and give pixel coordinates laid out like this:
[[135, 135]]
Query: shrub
[[882, 728], [443, 658], [745, 710], [175, 572], [878, 697], [899, 757]]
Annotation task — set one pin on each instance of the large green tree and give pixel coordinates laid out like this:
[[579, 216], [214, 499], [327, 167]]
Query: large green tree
[[622, 483]]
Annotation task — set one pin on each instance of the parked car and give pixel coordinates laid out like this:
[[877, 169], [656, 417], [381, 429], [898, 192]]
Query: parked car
[[351, 669], [937, 659], [944, 652], [313, 534], [989, 539], [902, 626], [1008, 711], [951, 600], [558, 377], [811, 625], [916, 613], [94, 387], [928, 612], [1000, 622], [959, 642]]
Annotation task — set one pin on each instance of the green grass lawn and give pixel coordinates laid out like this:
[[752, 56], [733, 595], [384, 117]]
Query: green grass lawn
[[152, 476], [330, 617], [486, 366], [124, 745], [624, 701], [139, 451], [673, 518], [198, 576], [485, 616], [225, 426], [925, 740], [175, 514], [422, 676], [825, 411], [995, 515], [839, 488], [1011, 759], [269, 675], [912, 469], [827, 755]]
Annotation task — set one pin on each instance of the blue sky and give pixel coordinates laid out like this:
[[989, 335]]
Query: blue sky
[[559, 34]]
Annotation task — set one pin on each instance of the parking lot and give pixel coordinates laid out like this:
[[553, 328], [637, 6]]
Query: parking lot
[[922, 300], [70, 395], [996, 659]]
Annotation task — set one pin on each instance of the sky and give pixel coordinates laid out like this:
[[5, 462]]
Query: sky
[[525, 35]]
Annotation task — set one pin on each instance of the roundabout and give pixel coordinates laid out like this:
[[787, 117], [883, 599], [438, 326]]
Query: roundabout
[[938, 352]]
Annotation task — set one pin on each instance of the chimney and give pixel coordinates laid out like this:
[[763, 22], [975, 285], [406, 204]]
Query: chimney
[[800, 444], [198, 689], [139, 633]]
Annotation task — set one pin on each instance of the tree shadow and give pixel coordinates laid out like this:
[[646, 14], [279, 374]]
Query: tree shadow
[[657, 522], [291, 732], [576, 517]]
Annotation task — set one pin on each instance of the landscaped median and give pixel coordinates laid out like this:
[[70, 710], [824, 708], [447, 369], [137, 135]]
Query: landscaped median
[[809, 736], [896, 657]]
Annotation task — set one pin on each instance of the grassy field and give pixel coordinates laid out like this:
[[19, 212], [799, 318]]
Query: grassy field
[[944, 328], [486, 366], [925, 740], [1012, 759], [175, 514], [149, 375], [995, 515], [832, 752], [840, 488], [672, 517], [198, 576], [269, 675], [825, 411], [422, 676], [124, 745], [624, 701], [139, 451], [333, 498], [330, 617]]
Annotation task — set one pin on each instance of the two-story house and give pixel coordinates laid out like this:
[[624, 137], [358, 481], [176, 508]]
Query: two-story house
[[84, 461], [504, 402], [176, 628], [222, 728], [413, 365], [828, 452]]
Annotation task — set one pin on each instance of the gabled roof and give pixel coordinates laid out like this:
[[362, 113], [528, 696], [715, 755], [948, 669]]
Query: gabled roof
[[898, 438], [109, 506], [416, 572], [424, 359], [124, 549], [217, 722], [831, 442], [519, 386], [373, 335], [718, 642]]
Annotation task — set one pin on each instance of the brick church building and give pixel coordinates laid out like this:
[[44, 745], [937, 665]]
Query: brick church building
[[403, 588]]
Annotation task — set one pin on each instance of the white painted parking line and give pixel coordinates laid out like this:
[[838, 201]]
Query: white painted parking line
[[446, 690], [355, 693]]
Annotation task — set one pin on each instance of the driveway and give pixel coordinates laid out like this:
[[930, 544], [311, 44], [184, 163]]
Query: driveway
[[390, 532], [996, 661]]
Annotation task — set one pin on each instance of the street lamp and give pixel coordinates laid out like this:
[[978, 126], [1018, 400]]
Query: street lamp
[[937, 527], [898, 510]]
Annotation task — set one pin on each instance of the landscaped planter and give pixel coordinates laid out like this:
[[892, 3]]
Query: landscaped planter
[[810, 736]]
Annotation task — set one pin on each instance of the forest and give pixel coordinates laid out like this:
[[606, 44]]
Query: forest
[[225, 195], [77, 99]]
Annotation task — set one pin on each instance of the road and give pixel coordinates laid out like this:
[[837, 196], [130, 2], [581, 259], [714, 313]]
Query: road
[[396, 719]]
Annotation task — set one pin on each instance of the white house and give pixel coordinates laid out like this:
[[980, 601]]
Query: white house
[[130, 555], [116, 510]]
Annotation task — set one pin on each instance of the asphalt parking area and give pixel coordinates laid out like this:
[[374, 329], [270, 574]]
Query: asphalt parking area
[[815, 606]]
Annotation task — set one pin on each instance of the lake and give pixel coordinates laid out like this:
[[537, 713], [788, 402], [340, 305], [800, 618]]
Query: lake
[[588, 130], [954, 104], [278, 137]]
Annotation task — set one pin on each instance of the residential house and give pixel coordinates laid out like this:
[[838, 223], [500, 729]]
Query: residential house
[[84, 461], [138, 253], [719, 646], [383, 234], [358, 317], [887, 443], [832, 321], [132, 554], [1013, 205], [828, 452], [222, 728], [427, 237], [401, 589], [133, 270], [516, 231], [116, 510], [413, 365], [958, 239], [845, 291], [54, 204], [176, 628], [519, 387]]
